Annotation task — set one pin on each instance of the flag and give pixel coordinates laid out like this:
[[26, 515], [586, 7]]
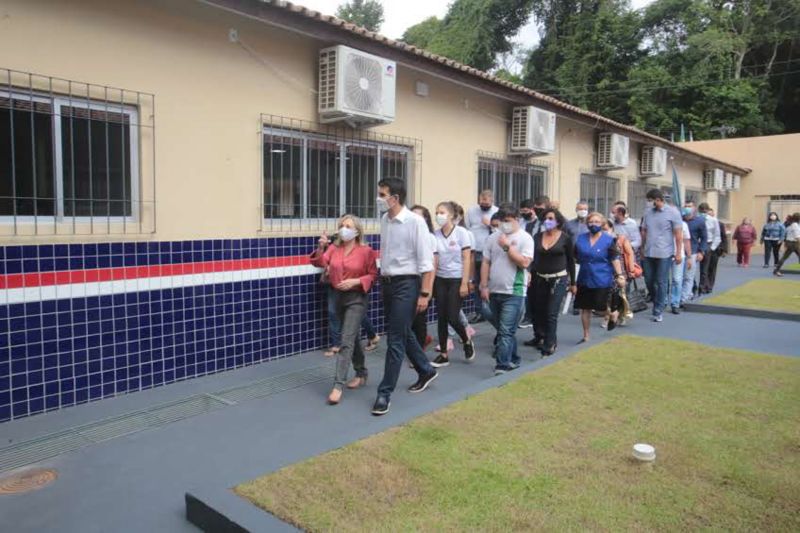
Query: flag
[[683, 133], [677, 198]]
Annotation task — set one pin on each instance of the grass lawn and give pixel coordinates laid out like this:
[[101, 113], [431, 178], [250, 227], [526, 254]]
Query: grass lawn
[[769, 294], [793, 266], [551, 451]]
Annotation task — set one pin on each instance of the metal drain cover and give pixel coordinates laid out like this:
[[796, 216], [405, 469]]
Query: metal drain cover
[[27, 480]]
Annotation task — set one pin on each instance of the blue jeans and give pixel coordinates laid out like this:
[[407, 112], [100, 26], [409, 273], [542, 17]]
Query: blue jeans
[[689, 275], [334, 325], [656, 277], [678, 273], [481, 307], [505, 319], [366, 325], [400, 307]]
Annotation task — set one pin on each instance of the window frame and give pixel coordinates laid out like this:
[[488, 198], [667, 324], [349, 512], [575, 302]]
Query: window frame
[[606, 181], [342, 145], [57, 102], [511, 165]]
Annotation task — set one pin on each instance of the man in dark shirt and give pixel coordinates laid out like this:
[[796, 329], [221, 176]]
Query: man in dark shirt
[[698, 238]]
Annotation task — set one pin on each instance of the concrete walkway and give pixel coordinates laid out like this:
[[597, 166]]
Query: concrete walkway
[[137, 482]]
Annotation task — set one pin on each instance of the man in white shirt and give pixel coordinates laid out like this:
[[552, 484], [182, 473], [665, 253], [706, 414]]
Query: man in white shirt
[[406, 266], [504, 280], [479, 223], [708, 266]]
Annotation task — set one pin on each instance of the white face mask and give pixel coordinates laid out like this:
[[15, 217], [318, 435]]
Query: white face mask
[[383, 204], [583, 213], [347, 234], [441, 219], [507, 227]]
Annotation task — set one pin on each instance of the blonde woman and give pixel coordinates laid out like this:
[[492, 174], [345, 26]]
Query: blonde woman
[[352, 270], [598, 256]]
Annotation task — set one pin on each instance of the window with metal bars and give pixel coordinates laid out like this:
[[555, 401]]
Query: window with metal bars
[[637, 193], [511, 181], [66, 157], [599, 192], [311, 176], [724, 206]]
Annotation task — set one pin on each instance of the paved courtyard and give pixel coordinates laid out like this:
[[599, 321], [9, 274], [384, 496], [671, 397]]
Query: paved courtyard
[[137, 482]]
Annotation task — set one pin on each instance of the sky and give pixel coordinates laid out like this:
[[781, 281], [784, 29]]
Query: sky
[[400, 14]]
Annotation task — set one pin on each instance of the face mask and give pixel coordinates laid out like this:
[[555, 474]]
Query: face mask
[[550, 224], [527, 216], [347, 234], [650, 204], [773, 219], [441, 219], [383, 204], [583, 213], [485, 207], [507, 227], [686, 211], [595, 228]]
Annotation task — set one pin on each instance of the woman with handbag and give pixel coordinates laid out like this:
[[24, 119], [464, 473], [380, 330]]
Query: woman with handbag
[[553, 272], [352, 270]]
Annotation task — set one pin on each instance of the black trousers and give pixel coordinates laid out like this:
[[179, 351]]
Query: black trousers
[[548, 295], [448, 305], [774, 248], [708, 270]]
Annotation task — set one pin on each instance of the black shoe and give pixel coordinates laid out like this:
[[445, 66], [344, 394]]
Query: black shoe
[[682, 306], [546, 352], [476, 319], [423, 382], [525, 324], [469, 351], [612, 325], [535, 342], [381, 406], [676, 310], [440, 361], [499, 370]]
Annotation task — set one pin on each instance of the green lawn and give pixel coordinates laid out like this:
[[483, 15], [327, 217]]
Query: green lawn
[[769, 294], [551, 451], [793, 266]]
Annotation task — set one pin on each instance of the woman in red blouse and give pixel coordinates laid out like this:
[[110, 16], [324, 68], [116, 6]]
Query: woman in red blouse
[[352, 271]]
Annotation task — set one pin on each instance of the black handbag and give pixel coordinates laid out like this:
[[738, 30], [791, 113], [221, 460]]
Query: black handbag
[[637, 297]]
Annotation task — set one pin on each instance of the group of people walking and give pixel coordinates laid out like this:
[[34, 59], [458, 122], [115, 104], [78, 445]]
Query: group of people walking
[[520, 262], [774, 234]]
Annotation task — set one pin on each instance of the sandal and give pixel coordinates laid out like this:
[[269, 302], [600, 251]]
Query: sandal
[[356, 382], [331, 351], [372, 343], [335, 396]]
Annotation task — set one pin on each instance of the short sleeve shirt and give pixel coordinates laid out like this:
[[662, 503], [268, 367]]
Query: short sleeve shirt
[[449, 249], [505, 277], [660, 224]]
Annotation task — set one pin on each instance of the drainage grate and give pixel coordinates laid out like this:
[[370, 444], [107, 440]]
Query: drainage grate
[[27, 481], [38, 449]]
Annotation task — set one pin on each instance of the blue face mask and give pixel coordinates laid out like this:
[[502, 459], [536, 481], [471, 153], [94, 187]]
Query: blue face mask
[[686, 211], [594, 228], [550, 224]]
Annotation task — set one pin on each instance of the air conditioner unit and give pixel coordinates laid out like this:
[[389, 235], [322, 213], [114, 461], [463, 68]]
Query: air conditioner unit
[[653, 161], [355, 87], [533, 130], [713, 179], [727, 181], [612, 150], [737, 182]]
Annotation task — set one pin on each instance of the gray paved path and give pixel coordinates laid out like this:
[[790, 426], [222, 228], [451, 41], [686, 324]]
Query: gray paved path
[[137, 482]]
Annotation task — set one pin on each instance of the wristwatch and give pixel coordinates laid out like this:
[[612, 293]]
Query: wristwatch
[[424, 294]]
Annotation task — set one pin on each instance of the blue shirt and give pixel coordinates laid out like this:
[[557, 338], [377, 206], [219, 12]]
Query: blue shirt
[[596, 271], [698, 235], [575, 227], [660, 224], [773, 231]]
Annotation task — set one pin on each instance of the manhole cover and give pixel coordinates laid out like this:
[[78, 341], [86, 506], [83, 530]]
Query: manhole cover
[[27, 481]]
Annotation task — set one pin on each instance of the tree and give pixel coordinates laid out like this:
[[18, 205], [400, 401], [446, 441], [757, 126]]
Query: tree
[[473, 32], [365, 13]]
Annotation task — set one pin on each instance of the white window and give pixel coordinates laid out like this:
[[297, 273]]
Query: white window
[[313, 176], [511, 181], [64, 157]]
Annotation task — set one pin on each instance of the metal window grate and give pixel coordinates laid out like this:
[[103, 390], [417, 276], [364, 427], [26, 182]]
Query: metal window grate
[[512, 179], [637, 198], [75, 158], [312, 174], [600, 192]]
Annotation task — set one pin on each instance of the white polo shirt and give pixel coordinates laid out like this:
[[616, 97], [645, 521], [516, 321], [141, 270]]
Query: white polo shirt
[[405, 244], [449, 250]]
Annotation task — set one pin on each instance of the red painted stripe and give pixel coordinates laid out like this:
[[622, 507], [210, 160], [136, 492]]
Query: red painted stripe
[[64, 277]]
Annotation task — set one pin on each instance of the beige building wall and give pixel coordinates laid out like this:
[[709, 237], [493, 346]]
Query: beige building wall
[[210, 95], [774, 161]]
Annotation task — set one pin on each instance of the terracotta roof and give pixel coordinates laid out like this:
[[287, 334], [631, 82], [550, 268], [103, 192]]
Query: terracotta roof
[[345, 26]]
